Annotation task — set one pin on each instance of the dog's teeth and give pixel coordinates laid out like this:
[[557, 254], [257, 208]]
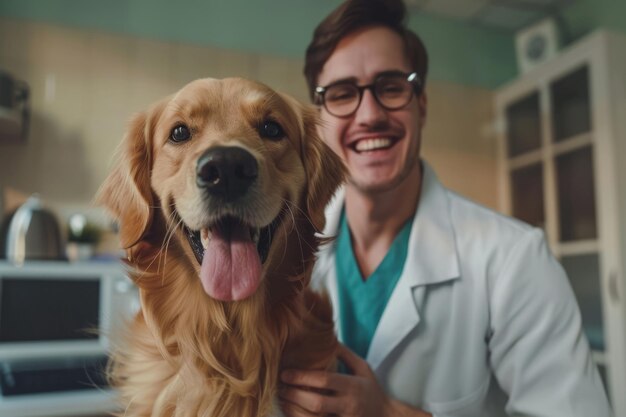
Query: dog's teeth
[[205, 236], [256, 233]]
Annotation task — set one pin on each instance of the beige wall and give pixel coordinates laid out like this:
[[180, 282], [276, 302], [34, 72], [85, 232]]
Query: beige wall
[[86, 85], [458, 140]]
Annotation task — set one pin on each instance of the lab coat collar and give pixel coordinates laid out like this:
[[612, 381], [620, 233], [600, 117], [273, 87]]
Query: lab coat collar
[[432, 258], [432, 255]]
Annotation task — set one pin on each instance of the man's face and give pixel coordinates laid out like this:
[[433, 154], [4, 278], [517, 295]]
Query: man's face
[[374, 165]]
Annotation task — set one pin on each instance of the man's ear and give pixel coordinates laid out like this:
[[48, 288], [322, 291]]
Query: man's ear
[[126, 192], [324, 170]]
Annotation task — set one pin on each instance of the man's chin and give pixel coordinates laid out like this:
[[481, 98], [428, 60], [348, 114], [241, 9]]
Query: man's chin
[[374, 187], [386, 183]]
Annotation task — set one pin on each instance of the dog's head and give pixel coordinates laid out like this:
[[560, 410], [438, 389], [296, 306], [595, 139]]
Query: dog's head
[[231, 173]]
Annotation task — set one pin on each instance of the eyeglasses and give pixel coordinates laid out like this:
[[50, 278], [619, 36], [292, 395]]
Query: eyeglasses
[[391, 90]]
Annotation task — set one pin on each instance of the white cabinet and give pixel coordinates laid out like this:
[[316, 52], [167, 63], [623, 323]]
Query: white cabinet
[[562, 161]]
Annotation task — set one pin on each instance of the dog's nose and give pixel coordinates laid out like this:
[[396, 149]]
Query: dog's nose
[[227, 172]]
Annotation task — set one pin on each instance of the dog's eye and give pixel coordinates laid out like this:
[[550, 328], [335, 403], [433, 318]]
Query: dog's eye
[[271, 130], [180, 133]]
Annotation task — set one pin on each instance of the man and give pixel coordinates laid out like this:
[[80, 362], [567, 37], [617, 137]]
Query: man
[[458, 310]]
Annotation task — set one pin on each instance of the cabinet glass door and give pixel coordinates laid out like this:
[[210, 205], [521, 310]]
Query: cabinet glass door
[[571, 115], [524, 125], [576, 195], [527, 194], [584, 275]]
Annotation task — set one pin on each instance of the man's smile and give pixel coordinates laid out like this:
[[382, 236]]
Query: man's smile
[[373, 144]]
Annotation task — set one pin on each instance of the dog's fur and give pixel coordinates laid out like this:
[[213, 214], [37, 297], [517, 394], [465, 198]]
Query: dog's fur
[[188, 354]]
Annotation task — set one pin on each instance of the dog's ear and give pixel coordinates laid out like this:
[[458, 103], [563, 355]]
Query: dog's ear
[[325, 171], [126, 192]]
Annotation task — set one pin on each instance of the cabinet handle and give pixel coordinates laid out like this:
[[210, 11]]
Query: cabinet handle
[[613, 287]]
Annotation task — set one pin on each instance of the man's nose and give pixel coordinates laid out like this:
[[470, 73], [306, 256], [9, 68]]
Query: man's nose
[[370, 112]]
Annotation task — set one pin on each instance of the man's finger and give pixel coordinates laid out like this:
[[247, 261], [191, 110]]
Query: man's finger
[[293, 410], [356, 364], [313, 379], [310, 401]]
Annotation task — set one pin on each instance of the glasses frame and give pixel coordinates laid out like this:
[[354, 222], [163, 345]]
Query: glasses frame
[[413, 78]]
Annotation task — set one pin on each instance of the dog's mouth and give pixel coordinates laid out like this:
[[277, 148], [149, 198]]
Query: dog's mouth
[[229, 226], [231, 254]]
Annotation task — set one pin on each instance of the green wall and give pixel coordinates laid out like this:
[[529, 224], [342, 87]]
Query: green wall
[[465, 54], [584, 16], [460, 53]]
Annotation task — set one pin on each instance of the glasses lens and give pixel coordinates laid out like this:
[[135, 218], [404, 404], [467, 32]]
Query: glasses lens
[[341, 99], [393, 92]]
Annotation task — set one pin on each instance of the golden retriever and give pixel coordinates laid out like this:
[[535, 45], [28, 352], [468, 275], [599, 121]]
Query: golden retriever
[[219, 193]]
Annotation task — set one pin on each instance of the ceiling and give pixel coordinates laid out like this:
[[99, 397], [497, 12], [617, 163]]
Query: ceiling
[[506, 15]]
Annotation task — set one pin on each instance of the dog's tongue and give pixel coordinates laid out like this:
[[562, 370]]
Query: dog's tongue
[[231, 268]]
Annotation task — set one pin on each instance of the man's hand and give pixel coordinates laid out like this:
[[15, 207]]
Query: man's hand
[[311, 393]]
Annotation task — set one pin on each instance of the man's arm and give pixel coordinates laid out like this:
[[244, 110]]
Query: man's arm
[[310, 393], [538, 351]]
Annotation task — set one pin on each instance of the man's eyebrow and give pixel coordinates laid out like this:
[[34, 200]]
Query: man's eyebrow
[[390, 72], [354, 80]]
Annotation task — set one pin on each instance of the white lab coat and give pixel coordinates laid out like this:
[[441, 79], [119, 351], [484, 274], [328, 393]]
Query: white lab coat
[[481, 309]]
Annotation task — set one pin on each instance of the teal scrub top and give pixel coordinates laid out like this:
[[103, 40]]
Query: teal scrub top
[[362, 302]]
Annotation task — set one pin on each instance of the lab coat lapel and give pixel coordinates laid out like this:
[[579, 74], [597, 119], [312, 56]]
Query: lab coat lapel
[[324, 268], [432, 258]]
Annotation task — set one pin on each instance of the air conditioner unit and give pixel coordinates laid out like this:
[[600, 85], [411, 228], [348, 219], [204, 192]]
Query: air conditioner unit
[[537, 44]]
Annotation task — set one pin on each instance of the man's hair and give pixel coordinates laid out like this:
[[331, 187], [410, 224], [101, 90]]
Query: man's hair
[[356, 14]]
